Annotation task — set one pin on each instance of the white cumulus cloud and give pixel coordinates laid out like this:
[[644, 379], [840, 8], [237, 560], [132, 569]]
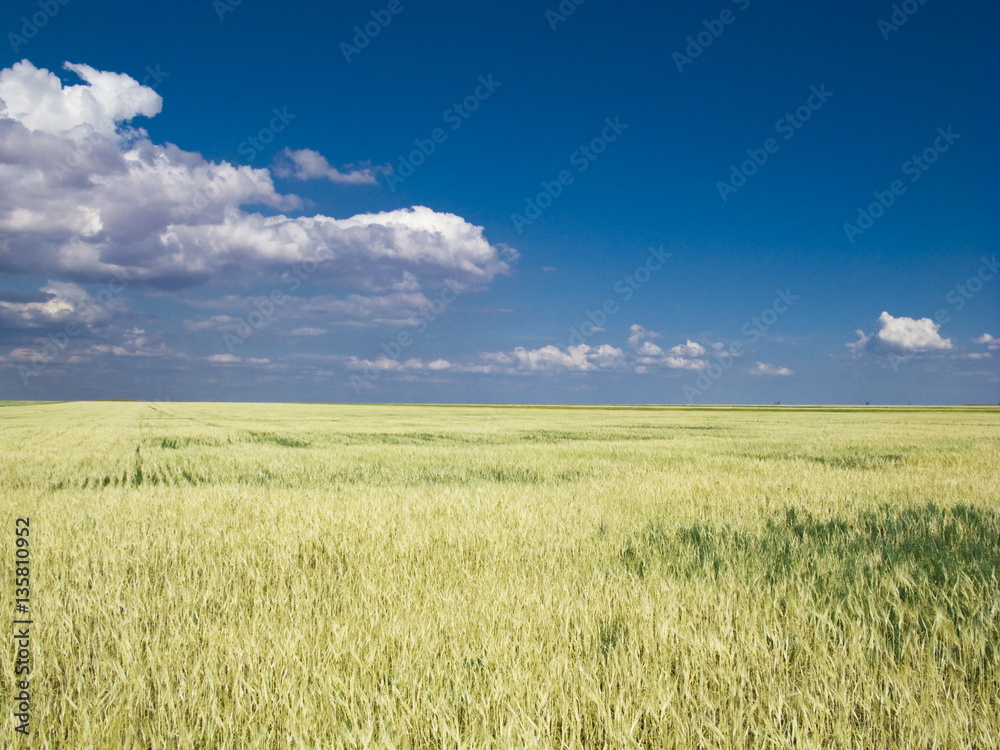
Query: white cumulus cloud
[[901, 336], [37, 99], [989, 341], [687, 356], [307, 164], [689, 349], [766, 368], [84, 196], [646, 357], [638, 334]]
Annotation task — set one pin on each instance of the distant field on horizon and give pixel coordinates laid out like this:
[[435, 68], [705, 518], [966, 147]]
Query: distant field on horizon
[[235, 575], [683, 407]]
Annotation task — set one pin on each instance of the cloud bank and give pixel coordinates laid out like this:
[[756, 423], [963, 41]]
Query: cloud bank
[[85, 195], [644, 357]]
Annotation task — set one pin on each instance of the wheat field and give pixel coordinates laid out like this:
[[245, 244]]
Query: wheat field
[[333, 576]]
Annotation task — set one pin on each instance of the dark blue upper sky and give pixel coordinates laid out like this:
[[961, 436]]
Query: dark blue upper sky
[[724, 149]]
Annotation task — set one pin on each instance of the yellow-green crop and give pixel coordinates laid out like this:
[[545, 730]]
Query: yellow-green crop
[[285, 576]]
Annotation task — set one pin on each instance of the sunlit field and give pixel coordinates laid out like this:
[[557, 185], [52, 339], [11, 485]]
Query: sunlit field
[[313, 576]]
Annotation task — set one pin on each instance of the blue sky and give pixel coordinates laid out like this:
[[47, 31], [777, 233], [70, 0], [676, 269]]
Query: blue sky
[[705, 202]]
